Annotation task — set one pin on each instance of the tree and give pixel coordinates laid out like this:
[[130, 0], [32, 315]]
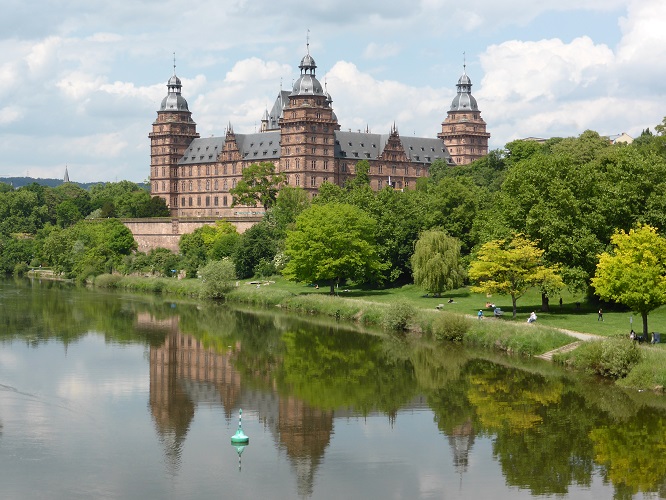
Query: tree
[[255, 246], [217, 278], [332, 243], [259, 184], [289, 204], [511, 267], [634, 274], [436, 262]]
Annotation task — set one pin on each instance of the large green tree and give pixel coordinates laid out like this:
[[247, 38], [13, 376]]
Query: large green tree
[[436, 262], [332, 243], [634, 272], [511, 267], [259, 184]]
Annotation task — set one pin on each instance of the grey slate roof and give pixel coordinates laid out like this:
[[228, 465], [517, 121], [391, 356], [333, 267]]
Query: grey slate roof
[[260, 146], [203, 150], [265, 146], [367, 146]]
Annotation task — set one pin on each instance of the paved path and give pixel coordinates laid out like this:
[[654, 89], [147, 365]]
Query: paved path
[[582, 337]]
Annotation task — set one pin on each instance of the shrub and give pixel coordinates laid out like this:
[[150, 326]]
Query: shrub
[[450, 327], [217, 278], [611, 358], [398, 316], [107, 280], [21, 269]]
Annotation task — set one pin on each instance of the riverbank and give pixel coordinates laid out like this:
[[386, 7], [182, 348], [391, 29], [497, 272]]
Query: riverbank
[[407, 310]]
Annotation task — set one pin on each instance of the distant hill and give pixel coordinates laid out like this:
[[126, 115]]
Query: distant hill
[[18, 182]]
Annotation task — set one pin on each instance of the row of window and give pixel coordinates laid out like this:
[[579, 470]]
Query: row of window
[[189, 201]]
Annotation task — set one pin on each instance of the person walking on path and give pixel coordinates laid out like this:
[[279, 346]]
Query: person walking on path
[[479, 314], [600, 317]]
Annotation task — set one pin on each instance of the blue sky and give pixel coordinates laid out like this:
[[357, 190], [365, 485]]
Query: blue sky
[[83, 80]]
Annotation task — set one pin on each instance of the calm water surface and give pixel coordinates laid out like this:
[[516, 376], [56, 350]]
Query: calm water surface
[[106, 395]]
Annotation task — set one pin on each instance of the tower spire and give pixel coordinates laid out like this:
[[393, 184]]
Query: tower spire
[[174, 64]]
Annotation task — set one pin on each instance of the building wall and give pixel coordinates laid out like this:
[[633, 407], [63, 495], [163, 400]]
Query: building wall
[[165, 232]]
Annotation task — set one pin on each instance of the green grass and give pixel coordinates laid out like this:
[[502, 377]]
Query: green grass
[[569, 317]]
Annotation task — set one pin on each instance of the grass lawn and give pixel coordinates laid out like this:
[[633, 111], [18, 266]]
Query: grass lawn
[[583, 319]]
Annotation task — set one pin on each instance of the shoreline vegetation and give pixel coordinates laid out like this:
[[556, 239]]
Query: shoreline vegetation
[[408, 312]]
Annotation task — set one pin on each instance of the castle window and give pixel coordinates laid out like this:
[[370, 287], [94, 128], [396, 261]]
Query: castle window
[[224, 201], [286, 164], [208, 169], [216, 201], [225, 185], [190, 185], [208, 201], [393, 169], [298, 180], [182, 201], [298, 163], [314, 151], [190, 201], [314, 165], [207, 184], [233, 183], [163, 186], [379, 184], [343, 167], [216, 185], [381, 168], [198, 201], [224, 169], [313, 181], [325, 164]]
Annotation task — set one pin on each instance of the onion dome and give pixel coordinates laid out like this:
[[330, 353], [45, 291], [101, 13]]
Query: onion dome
[[307, 84], [174, 101], [464, 101]]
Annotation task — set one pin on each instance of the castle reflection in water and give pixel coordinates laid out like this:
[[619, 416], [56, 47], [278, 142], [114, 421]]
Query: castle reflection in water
[[184, 374]]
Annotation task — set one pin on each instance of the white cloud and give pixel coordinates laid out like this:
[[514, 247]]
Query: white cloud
[[381, 51], [10, 114]]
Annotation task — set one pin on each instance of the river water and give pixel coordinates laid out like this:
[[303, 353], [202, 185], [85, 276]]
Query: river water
[[119, 396]]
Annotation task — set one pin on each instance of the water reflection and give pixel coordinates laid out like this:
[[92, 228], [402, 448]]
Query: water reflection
[[314, 386]]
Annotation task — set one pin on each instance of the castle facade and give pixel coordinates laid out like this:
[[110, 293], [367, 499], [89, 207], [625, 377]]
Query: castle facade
[[302, 138]]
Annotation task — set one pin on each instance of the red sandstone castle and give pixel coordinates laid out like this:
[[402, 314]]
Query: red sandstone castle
[[302, 138]]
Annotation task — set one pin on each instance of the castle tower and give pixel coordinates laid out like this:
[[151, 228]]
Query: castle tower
[[463, 130], [172, 132], [307, 132]]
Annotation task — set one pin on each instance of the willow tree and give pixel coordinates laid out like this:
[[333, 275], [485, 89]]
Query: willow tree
[[634, 273], [511, 267], [436, 264]]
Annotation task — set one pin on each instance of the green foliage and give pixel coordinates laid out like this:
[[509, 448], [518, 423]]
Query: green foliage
[[291, 201], [450, 327], [87, 248], [254, 245], [398, 317], [635, 273], [332, 243], [511, 268], [259, 184], [217, 277], [436, 262], [612, 358]]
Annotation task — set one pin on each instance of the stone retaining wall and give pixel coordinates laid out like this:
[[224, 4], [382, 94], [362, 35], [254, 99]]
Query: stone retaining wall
[[165, 232]]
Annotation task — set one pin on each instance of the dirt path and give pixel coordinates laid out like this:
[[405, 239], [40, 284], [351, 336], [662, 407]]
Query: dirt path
[[582, 337]]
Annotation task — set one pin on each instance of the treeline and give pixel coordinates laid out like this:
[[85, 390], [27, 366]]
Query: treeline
[[567, 195], [74, 230]]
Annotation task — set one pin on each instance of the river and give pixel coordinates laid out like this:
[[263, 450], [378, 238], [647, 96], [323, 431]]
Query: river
[[122, 396]]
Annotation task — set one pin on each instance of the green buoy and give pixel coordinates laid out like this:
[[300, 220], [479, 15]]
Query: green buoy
[[240, 437]]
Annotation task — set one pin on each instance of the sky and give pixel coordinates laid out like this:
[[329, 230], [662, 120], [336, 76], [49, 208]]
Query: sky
[[82, 81]]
